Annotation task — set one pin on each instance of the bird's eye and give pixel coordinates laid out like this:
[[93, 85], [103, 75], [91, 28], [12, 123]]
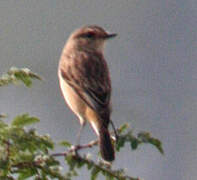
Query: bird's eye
[[90, 35]]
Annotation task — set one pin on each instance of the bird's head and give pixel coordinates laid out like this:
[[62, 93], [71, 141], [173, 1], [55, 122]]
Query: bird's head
[[89, 37]]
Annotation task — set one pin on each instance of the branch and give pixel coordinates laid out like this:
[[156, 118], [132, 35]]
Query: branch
[[76, 148], [113, 173], [72, 152], [78, 160]]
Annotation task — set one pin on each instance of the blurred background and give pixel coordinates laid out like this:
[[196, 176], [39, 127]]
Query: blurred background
[[153, 68]]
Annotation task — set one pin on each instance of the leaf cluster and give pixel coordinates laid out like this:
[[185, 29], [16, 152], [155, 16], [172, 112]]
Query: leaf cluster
[[126, 136], [16, 75], [25, 154]]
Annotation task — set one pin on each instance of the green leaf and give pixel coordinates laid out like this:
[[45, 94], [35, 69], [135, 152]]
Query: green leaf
[[4, 164], [15, 74], [24, 74], [2, 124], [24, 78], [94, 173], [71, 162], [89, 166], [134, 144], [26, 173], [24, 120], [108, 177], [147, 138], [123, 128], [65, 143], [47, 142], [120, 142], [157, 143]]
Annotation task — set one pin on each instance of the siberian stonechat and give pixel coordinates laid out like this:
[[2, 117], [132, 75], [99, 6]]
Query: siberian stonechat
[[85, 82]]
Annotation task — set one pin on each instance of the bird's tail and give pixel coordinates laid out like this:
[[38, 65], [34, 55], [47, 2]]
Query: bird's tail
[[106, 147]]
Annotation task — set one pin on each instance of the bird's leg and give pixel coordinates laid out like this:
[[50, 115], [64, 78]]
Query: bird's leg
[[79, 134], [114, 129], [77, 144]]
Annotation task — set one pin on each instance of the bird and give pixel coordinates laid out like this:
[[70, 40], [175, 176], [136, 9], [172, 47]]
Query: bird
[[85, 82]]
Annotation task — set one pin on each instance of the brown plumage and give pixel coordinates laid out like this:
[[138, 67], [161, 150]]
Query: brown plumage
[[85, 82]]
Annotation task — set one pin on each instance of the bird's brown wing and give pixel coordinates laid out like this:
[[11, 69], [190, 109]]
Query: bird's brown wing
[[88, 75]]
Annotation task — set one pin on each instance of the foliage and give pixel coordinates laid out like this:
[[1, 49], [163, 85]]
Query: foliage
[[24, 153], [126, 135], [15, 75]]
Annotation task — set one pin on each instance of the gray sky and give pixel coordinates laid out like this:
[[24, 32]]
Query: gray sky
[[153, 68]]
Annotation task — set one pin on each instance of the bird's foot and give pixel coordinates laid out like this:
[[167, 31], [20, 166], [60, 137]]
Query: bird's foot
[[74, 149]]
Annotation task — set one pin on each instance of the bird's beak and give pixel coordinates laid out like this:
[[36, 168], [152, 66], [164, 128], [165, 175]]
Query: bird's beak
[[109, 36]]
